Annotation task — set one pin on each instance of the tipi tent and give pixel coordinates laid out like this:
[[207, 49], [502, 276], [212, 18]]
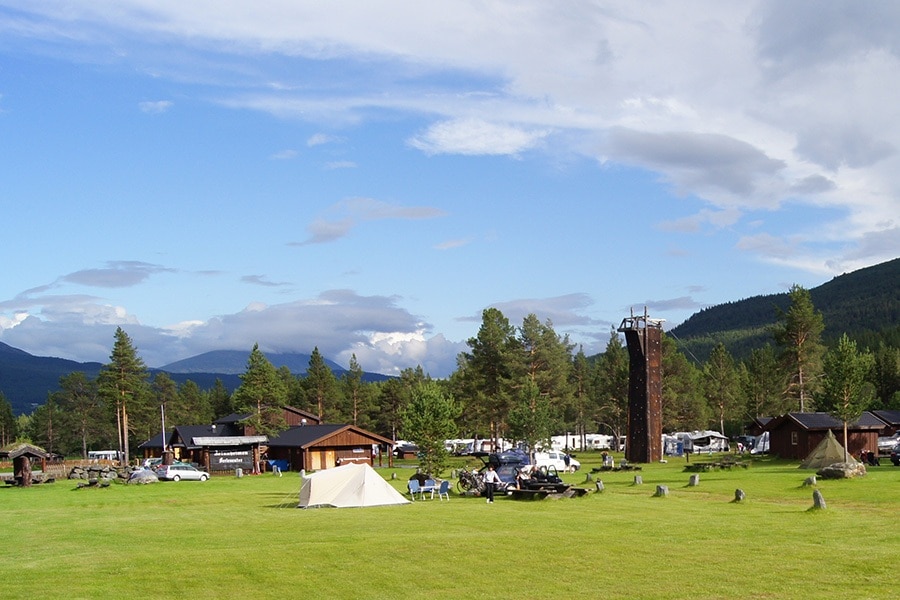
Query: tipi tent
[[828, 452], [350, 485]]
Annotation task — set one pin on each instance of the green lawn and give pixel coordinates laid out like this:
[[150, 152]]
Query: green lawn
[[244, 538]]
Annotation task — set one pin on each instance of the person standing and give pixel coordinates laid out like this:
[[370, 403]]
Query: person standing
[[490, 480]]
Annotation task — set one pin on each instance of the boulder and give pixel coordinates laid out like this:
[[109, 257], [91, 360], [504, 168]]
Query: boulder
[[818, 500], [143, 476], [842, 470]]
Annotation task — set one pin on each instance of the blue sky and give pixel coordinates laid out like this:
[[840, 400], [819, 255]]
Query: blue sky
[[368, 177]]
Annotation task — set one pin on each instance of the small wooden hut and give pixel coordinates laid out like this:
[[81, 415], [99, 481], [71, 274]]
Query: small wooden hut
[[22, 455]]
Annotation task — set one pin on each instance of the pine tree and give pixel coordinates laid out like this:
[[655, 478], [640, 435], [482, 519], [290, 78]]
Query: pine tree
[[220, 400], [532, 418], [610, 377], [487, 373], [762, 382], [845, 392], [581, 383], [8, 425], [353, 389], [798, 333], [720, 383], [684, 409], [79, 400], [194, 403], [123, 383], [262, 395], [321, 387]]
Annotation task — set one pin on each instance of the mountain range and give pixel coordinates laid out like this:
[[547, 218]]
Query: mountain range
[[864, 304], [26, 380]]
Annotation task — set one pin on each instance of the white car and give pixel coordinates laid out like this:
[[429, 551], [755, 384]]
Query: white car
[[559, 460], [178, 472], [885, 444]]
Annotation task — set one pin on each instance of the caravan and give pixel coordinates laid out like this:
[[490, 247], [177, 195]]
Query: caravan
[[695, 442]]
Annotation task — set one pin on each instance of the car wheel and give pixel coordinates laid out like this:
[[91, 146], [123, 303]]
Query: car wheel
[[203, 478], [176, 478]]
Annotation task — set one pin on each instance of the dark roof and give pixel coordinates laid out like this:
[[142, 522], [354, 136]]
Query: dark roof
[[812, 421], [303, 413], [303, 436], [232, 418], [891, 417], [186, 433]]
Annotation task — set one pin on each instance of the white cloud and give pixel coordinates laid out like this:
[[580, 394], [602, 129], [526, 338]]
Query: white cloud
[[340, 164], [347, 214], [476, 136], [155, 107], [286, 154], [385, 337], [320, 139]]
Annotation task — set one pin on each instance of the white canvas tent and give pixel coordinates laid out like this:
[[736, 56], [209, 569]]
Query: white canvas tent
[[350, 485], [828, 452]]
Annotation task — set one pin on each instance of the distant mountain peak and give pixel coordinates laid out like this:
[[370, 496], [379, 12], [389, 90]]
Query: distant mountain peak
[[234, 362]]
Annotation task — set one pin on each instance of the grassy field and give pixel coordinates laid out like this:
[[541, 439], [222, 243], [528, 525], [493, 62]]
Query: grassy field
[[244, 538]]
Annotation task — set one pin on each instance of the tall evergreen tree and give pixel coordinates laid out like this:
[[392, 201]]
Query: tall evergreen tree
[[487, 372], [798, 334], [392, 398], [684, 408], [8, 426], [581, 382], [321, 387], [845, 392], [546, 363], [611, 384], [720, 384], [353, 390], [886, 376], [220, 400], [262, 395], [195, 404], [762, 383], [123, 384], [78, 398], [166, 398], [532, 419]]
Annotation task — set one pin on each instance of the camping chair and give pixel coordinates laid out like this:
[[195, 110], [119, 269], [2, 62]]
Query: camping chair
[[429, 486], [444, 490], [414, 489]]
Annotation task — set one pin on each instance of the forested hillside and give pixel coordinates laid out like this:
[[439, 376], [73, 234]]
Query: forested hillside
[[864, 304]]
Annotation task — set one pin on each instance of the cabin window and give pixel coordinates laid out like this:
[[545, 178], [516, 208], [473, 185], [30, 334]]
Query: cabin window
[[794, 439]]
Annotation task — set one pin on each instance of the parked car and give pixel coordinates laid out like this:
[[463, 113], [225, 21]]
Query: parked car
[[886, 443], [181, 471], [895, 455], [562, 461], [506, 464]]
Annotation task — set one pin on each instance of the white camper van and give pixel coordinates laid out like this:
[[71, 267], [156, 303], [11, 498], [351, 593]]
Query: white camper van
[[559, 460]]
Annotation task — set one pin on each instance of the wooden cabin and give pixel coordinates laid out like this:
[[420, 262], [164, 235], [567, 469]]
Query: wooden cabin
[[795, 435], [314, 447]]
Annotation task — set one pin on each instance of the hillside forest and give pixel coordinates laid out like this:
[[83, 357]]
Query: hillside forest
[[522, 382]]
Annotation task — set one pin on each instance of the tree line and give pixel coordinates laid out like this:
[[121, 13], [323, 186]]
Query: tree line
[[524, 382]]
